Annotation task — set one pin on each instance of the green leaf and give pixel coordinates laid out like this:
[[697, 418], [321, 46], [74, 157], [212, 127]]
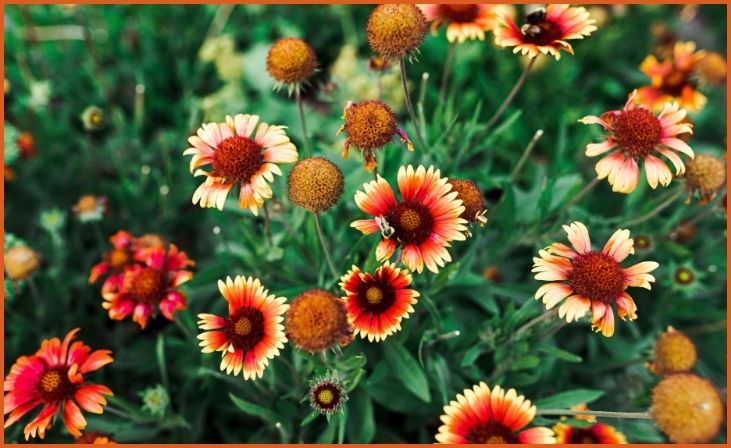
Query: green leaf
[[472, 354], [254, 410], [407, 370], [361, 424], [310, 418], [161, 364], [328, 435], [565, 400], [525, 363], [556, 352]]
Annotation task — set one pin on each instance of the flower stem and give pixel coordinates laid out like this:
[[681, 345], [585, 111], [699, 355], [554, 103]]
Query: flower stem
[[662, 206], [580, 195], [409, 105], [446, 71], [611, 414], [325, 249], [547, 315], [300, 107], [511, 95], [526, 152], [267, 225]]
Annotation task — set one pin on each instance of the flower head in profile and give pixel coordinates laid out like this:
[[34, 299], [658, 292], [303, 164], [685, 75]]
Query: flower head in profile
[[545, 31], [370, 125], [378, 301], [422, 223], [463, 21], [596, 433], [673, 79], [90, 208], [253, 332], [482, 415], [395, 30], [239, 157], [327, 394], [633, 135], [53, 378], [149, 286], [591, 280]]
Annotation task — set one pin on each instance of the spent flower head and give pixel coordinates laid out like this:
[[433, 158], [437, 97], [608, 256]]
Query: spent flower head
[[155, 400]]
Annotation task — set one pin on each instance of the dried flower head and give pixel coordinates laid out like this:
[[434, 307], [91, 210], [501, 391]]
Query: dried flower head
[[315, 184], [674, 353], [317, 320], [327, 395], [474, 205], [396, 30], [705, 175], [291, 61], [687, 408]]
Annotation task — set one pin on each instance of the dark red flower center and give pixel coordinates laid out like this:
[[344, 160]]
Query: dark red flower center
[[491, 433], [376, 297], [583, 435], [412, 222], [540, 31], [674, 83], [636, 131], [326, 396], [459, 13], [237, 158], [149, 286], [245, 328], [54, 385], [684, 276], [597, 276]]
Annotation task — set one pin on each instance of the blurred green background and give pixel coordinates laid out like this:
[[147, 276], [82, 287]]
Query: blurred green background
[[158, 72]]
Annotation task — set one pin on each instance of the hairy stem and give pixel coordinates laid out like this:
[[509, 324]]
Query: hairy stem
[[303, 123], [511, 95], [611, 414], [325, 248], [662, 206], [526, 152], [409, 105], [268, 225]]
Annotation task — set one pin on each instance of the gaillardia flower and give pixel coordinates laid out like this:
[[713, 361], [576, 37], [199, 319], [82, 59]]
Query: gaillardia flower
[[480, 415], [637, 135], [90, 208], [674, 352], [395, 30], [327, 395], [377, 302], [687, 408], [423, 223], [595, 280], [673, 79], [114, 261], [316, 321], [705, 175], [598, 433], [370, 125], [315, 184], [291, 61], [54, 378], [253, 333], [463, 21], [94, 438], [149, 285], [545, 31], [238, 156]]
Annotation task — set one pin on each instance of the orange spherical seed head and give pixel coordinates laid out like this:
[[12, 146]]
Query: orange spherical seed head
[[687, 408], [316, 320], [315, 184], [705, 174], [291, 61], [369, 125], [395, 30], [20, 262], [474, 205], [674, 353]]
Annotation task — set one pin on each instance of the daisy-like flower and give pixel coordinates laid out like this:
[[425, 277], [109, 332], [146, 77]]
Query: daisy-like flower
[[597, 433], [673, 79], [114, 261], [238, 156], [377, 302], [90, 208], [253, 332], [545, 31], [635, 134], [148, 286], [54, 378], [423, 223], [484, 415], [327, 394], [463, 21], [595, 280]]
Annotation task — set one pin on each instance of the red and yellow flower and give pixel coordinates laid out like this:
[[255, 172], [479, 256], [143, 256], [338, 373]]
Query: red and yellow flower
[[482, 415], [596, 433], [463, 21], [53, 378], [634, 134], [423, 223], [673, 79], [545, 31], [377, 302], [595, 280], [238, 157], [252, 334], [149, 285], [114, 261]]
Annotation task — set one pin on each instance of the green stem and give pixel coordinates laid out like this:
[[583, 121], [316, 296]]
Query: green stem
[[611, 414], [547, 315], [300, 107], [409, 105], [511, 96], [526, 152], [446, 71], [580, 195], [267, 225], [325, 248], [649, 215]]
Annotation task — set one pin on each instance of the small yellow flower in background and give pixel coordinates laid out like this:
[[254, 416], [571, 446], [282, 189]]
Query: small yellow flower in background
[[674, 352], [491, 416], [90, 208], [291, 62], [52, 220], [238, 157], [155, 400], [221, 50], [315, 184], [634, 134], [545, 31], [396, 30], [673, 79], [464, 21], [316, 321], [687, 408], [93, 118], [705, 175], [594, 280]]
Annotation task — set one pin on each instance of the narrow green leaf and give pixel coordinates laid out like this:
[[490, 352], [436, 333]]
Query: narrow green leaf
[[310, 418], [361, 424], [556, 352], [565, 400], [328, 435], [253, 409], [161, 364], [407, 370]]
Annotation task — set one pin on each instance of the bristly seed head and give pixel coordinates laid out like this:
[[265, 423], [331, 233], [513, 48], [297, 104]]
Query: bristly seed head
[[317, 320], [597, 276], [237, 158], [315, 184], [369, 125], [395, 30], [474, 205], [291, 61]]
